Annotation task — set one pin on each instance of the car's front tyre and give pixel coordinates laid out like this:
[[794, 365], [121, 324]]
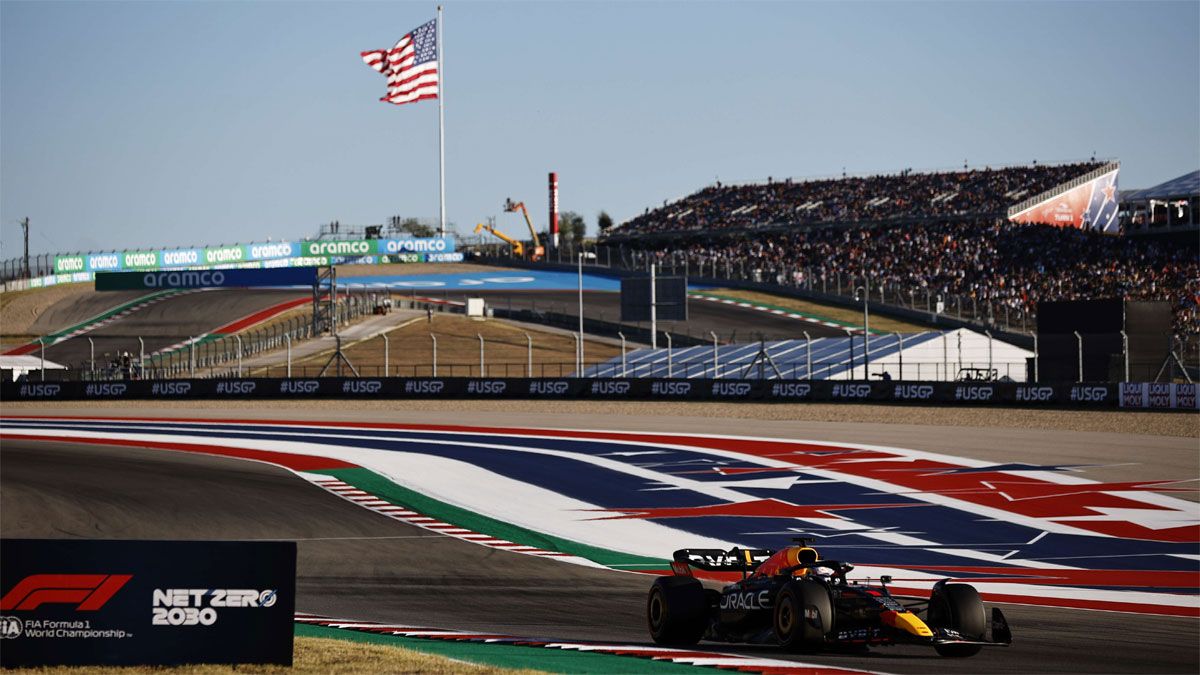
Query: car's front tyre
[[959, 608], [803, 616]]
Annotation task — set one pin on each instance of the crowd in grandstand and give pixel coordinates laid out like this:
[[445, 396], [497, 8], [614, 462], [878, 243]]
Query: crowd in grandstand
[[995, 263], [855, 199]]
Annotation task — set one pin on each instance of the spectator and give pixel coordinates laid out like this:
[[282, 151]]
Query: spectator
[[995, 263], [907, 195]]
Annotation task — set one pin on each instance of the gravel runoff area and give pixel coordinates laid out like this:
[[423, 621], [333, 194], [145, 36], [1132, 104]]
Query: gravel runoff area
[[318, 656]]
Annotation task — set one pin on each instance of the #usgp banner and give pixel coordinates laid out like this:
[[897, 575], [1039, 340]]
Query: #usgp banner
[[79, 602]]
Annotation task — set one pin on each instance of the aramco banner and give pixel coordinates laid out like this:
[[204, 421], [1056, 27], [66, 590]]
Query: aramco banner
[[270, 254], [1091, 206], [237, 278]]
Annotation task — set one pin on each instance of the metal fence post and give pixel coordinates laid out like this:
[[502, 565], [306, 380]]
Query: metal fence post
[[434, 338], [1036, 377], [528, 356], [92, 356], [807, 355], [42, 345], [622, 336], [945, 358], [385, 353], [239, 354], [578, 368], [1125, 352], [850, 347], [988, 333], [900, 354], [482, 366], [287, 339], [716, 361], [960, 365], [191, 357], [141, 357], [1079, 341], [670, 364]]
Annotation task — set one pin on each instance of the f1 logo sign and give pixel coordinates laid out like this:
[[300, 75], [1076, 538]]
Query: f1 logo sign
[[90, 591]]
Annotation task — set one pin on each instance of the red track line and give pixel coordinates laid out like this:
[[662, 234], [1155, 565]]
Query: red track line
[[259, 316]]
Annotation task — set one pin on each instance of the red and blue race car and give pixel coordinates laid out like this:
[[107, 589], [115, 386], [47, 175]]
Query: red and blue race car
[[793, 599]]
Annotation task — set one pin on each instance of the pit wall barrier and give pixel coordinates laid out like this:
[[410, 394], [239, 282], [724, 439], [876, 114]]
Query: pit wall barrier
[[1084, 395]]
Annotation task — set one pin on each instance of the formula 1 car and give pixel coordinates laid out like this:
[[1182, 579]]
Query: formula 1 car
[[793, 599]]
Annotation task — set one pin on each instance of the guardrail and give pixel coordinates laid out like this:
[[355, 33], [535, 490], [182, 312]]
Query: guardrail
[[1085, 395]]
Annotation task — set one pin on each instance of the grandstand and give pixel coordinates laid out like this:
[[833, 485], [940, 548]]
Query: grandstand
[[937, 243], [967, 194]]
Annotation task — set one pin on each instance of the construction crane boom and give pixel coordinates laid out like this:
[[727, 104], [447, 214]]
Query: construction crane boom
[[510, 206], [518, 248]]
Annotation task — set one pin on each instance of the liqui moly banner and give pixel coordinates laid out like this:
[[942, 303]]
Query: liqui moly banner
[[1091, 206]]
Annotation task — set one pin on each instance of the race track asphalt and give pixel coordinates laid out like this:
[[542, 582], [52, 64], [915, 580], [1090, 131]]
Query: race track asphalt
[[79, 308], [730, 322], [354, 563], [168, 322], [177, 318]]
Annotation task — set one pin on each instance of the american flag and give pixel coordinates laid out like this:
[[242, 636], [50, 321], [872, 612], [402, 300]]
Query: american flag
[[411, 66]]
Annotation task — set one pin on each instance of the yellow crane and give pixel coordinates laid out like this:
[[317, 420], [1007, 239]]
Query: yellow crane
[[518, 249], [510, 207]]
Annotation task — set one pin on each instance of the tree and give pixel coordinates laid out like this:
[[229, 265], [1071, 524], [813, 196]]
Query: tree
[[571, 228], [604, 221]]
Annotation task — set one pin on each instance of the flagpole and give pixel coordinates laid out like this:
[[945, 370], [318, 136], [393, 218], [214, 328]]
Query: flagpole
[[441, 126]]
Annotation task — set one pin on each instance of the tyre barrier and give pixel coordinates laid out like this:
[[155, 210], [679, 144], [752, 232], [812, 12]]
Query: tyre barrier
[[1093, 395]]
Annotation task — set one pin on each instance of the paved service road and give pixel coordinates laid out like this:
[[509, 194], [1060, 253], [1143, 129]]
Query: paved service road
[[355, 563]]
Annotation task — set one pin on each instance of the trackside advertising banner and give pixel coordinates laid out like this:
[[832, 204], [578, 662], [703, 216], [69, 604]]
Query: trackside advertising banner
[[237, 278], [1091, 206], [270, 254], [95, 602], [1163, 396], [1095, 395]]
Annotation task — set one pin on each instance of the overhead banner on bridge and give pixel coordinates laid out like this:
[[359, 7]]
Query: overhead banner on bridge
[[1091, 206], [94, 602], [237, 278]]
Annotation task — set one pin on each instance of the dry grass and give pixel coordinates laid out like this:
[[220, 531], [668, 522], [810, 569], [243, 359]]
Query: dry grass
[[315, 655], [850, 316], [19, 309], [410, 349]]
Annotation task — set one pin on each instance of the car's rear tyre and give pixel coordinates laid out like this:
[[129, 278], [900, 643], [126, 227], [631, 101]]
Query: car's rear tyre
[[958, 607], [803, 616], [677, 611]]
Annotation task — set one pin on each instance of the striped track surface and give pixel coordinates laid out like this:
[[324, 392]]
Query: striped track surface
[[1024, 534], [729, 662]]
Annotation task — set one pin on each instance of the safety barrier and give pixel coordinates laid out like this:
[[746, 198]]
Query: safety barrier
[[1093, 395]]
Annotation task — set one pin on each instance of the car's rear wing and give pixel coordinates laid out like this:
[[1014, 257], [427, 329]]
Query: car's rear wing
[[716, 560]]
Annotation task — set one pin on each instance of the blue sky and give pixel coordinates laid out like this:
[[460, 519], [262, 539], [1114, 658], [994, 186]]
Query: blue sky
[[179, 123]]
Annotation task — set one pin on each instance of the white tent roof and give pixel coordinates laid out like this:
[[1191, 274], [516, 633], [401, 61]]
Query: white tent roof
[[27, 362]]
